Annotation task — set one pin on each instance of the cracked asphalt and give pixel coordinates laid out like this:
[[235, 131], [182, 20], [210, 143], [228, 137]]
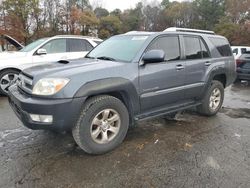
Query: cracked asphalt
[[191, 151]]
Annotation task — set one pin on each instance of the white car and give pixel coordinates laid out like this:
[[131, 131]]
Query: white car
[[44, 50], [239, 50]]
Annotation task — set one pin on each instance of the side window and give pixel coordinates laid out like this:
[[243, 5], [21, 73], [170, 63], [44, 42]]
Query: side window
[[55, 46], [222, 46], [170, 45], [204, 50], [79, 45], [192, 48], [243, 50], [235, 51]]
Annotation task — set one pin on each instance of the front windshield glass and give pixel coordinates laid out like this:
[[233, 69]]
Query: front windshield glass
[[118, 48], [33, 45]]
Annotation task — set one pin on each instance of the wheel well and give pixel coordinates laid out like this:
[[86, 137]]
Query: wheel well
[[10, 69], [221, 78], [122, 96]]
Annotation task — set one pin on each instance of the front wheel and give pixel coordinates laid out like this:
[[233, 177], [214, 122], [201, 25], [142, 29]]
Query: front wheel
[[102, 125], [213, 99], [7, 78]]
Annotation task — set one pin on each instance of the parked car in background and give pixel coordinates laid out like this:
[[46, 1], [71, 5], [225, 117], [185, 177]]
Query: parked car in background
[[243, 67], [7, 43], [239, 50], [63, 47]]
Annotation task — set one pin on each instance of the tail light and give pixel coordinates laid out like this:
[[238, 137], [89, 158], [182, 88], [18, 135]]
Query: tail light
[[238, 62]]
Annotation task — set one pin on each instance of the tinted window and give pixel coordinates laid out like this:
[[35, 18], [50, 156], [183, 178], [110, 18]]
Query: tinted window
[[192, 48], [55, 46], [170, 45], [235, 51], [222, 46], [79, 45], [204, 49]]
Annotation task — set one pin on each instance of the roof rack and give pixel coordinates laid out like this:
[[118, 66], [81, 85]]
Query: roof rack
[[189, 30], [139, 32]]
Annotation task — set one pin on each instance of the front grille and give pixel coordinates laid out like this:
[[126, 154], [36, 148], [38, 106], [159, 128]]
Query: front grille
[[25, 83]]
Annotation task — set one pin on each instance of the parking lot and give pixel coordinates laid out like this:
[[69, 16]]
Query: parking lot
[[192, 151]]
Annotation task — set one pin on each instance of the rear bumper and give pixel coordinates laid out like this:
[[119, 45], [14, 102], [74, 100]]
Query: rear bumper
[[65, 112], [243, 74]]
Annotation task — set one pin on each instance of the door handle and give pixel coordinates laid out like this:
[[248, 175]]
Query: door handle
[[179, 67], [208, 63]]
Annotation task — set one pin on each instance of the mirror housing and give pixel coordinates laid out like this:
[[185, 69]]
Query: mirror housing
[[154, 56], [41, 51]]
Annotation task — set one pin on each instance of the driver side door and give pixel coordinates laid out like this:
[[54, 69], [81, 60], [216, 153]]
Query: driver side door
[[56, 50], [161, 83]]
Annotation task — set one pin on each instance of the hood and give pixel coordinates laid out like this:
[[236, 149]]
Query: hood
[[68, 68], [11, 55]]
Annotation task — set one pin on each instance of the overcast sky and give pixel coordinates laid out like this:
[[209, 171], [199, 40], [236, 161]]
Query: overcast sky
[[121, 4]]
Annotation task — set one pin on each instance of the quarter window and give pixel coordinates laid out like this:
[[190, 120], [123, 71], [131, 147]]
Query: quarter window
[[170, 45]]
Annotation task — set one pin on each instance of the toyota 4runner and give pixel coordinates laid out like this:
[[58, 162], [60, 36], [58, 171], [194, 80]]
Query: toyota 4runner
[[129, 77]]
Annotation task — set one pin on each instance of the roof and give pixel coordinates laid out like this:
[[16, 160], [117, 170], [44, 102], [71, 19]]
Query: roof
[[76, 36]]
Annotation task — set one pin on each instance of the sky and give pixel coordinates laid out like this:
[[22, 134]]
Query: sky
[[121, 4]]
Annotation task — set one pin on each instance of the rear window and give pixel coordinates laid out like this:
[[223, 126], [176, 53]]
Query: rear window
[[222, 46]]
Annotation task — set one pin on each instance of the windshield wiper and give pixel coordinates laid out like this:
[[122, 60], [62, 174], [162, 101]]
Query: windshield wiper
[[106, 58]]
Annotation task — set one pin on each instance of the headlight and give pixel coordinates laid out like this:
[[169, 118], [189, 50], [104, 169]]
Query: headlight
[[49, 86]]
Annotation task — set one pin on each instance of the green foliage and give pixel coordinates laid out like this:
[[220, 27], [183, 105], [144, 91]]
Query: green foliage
[[110, 25], [208, 12], [26, 20]]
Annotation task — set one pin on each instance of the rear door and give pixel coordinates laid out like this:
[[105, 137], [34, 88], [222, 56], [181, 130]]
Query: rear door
[[197, 60], [78, 48], [161, 83]]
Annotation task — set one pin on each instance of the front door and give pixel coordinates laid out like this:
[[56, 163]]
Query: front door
[[56, 50], [161, 83]]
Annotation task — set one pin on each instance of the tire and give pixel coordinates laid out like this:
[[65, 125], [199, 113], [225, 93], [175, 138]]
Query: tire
[[209, 106], [85, 132], [7, 78]]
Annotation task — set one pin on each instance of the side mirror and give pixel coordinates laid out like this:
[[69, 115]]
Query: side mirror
[[41, 51], [154, 56]]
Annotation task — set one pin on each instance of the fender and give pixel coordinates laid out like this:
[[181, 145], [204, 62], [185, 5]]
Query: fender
[[216, 70], [109, 85]]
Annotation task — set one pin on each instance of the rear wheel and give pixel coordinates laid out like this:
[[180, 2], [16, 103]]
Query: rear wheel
[[213, 99], [102, 125], [7, 78]]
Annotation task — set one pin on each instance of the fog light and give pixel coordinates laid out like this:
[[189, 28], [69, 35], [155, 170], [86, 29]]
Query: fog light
[[41, 118]]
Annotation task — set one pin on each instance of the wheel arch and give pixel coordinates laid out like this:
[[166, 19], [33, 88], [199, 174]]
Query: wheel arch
[[9, 68], [120, 88]]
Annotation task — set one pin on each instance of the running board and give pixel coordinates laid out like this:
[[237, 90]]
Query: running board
[[164, 112]]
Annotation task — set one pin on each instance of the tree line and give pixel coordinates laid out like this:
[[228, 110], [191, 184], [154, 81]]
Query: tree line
[[27, 20]]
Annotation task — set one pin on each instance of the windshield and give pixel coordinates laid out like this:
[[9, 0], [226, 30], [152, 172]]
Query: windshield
[[33, 45], [118, 48]]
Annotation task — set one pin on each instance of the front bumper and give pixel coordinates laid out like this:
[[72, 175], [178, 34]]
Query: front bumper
[[65, 112]]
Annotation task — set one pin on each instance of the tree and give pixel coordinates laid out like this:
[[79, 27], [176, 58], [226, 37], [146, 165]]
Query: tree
[[101, 12], [208, 13], [20, 15], [110, 25]]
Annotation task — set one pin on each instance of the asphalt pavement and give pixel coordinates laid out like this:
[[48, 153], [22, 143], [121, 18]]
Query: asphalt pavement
[[191, 151]]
